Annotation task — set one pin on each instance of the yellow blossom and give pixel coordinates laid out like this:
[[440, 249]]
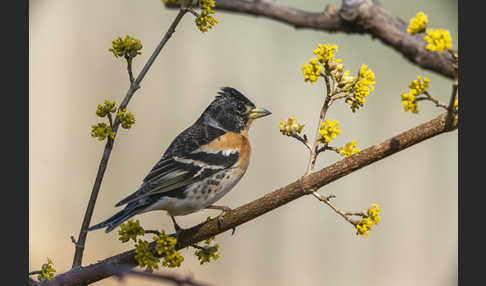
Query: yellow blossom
[[311, 71], [128, 47], [107, 107], [165, 245], [417, 87], [101, 131], [325, 53], [291, 126], [373, 213], [47, 271], [418, 24], [345, 80], [206, 21], [456, 103], [130, 230], [329, 130], [438, 40], [371, 218], [363, 87], [126, 118], [348, 149], [409, 102], [144, 256], [207, 253]]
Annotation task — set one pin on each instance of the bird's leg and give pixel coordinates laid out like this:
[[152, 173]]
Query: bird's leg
[[223, 210], [178, 229]]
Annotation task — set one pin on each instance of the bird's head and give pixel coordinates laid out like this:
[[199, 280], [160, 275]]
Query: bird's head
[[232, 111]]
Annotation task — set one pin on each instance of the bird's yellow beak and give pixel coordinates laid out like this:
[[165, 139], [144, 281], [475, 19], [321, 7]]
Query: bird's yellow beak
[[258, 112]]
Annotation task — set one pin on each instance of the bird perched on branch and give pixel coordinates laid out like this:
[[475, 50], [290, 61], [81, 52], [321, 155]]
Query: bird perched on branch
[[201, 165]]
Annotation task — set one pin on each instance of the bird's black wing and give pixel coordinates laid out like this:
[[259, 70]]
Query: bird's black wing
[[185, 163]]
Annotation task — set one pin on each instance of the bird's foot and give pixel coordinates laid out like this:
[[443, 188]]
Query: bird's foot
[[223, 210]]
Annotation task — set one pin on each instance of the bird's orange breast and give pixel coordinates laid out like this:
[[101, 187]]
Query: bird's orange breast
[[232, 141]]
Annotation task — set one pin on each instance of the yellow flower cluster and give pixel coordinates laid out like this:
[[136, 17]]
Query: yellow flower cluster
[[348, 149], [128, 47], [456, 103], [325, 53], [126, 118], [344, 79], [101, 131], [409, 102], [144, 256], [208, 252], [367, 223], [329, 130], [206, 21], [363, 87], [165, 245], [418, 24], [438, 40], [130, 230], [417, 87], [107, 107], [47, 271], [291, 126], [311, 71]]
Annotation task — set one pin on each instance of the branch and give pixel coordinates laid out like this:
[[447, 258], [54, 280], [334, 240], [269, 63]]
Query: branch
[[322, 116], [79, 249], [327, 201], [355, 16], [455, 83], [302, 186], [176, 279]]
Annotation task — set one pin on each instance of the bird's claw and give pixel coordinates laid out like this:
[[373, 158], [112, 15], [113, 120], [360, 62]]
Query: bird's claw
[[220, 220]]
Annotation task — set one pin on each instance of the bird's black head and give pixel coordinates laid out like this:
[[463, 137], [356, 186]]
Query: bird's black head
[[231, 111]]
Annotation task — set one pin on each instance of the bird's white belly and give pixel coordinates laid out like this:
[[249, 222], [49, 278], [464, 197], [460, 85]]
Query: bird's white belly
[[201, 194]]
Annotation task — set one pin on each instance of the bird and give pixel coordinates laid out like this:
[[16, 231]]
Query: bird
[[201, 165]]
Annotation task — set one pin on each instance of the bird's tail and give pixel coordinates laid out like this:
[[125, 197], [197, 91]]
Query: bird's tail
[[118, 218]]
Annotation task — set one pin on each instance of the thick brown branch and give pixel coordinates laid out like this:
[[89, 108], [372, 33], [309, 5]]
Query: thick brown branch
[[268, 202], [362, 17]]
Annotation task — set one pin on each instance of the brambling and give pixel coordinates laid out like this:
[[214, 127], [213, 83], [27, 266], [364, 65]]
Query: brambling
[[201, 165]]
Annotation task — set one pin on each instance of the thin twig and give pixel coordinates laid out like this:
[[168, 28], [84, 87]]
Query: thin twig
[[327, 147], [337, 96], [152, 231], [190, 10], [129, 69], [313, 153], [197, 246], [79, 250], [110, 119], [455, 83], [35, 272], [355, 214], [328, 202], [433, 99], [303, 140]]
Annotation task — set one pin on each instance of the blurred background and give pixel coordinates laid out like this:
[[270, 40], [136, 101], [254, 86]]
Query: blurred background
[[301, 243]]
